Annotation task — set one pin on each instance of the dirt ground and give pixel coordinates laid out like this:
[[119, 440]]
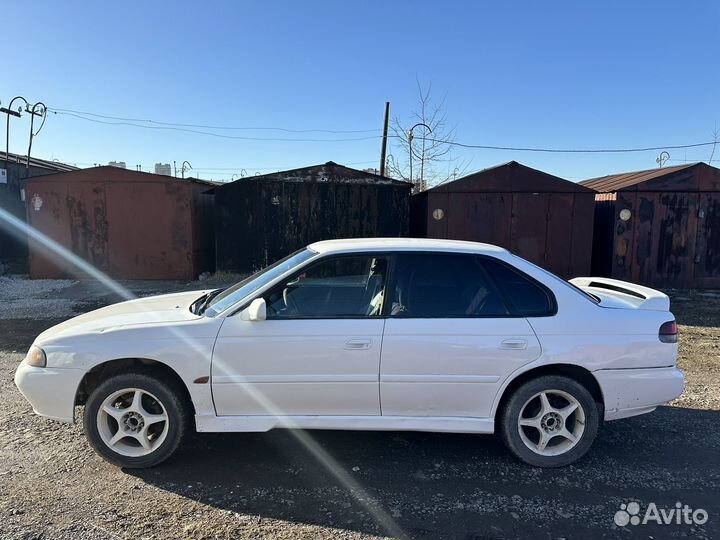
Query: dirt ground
[[52, 486]]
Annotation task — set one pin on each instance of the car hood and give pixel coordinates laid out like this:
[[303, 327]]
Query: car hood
[[166, 308]]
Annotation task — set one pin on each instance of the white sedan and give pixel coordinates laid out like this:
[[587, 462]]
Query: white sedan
[[366, 334]]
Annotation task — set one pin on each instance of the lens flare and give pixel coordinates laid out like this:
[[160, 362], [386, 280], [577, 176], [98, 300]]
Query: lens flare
[[82, 269]]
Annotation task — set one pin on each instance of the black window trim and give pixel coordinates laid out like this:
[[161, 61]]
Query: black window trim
[[389, 285]]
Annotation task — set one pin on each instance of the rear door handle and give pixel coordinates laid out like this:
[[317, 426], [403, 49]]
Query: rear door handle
[[514, 344], [358, 344]]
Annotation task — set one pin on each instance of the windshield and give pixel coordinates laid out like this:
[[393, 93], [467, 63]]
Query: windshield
[[243, 288]]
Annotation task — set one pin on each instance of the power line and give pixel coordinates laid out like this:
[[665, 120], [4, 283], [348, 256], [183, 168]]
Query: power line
[[172, 127], [276, 168], [694, 160], [203, 126], [226, 170], [570, 150], [218, 135]]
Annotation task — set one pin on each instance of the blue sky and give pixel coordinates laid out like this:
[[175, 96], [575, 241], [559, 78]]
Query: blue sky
[[550, 74]]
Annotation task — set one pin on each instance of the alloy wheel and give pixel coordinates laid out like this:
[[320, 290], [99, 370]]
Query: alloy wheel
[[132, 422], [551, 423]]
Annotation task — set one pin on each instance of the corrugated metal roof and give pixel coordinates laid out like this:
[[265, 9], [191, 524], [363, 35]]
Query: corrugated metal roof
[[510, 177], [108, 173], [480, 172], [615, 182], [329, 172], [36, 162]]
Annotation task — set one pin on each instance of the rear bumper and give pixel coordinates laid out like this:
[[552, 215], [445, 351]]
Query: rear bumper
[[629, 392], [50, 391]]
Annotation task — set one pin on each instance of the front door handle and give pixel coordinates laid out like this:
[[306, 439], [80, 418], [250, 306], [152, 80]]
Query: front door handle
[[358, 344], [514, 344]]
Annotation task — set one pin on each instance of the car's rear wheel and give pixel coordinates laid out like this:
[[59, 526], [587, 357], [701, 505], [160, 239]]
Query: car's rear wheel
[[135, 420], [550, 421]]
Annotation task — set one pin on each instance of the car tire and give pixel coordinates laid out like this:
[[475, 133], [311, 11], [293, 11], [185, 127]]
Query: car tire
[[550, 431], [136, 420]]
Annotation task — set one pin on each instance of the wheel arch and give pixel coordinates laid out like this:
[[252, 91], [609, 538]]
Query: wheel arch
[[572, 371], [100, 372]]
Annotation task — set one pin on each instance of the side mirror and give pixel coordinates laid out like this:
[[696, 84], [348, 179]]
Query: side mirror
[[257, 310]]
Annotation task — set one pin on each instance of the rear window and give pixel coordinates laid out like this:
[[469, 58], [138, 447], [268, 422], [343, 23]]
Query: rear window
[[528, 297]]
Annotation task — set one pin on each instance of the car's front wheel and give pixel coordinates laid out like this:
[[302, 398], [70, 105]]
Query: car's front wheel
[[550, 421], [135, 420]]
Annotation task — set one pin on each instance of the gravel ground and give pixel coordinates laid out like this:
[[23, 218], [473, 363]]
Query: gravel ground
[[698, 314], [28, 299], [52, 486], [23, 298]]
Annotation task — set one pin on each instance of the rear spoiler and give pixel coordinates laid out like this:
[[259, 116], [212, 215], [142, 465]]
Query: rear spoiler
[[643, 297]]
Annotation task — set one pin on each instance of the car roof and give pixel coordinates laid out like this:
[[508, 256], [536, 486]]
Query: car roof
[[403, 244]]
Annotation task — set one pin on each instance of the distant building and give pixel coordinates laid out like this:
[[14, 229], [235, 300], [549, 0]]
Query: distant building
[[127, 224], [659, 227], [544, 219], [260, 219], [118, 164], [163, 168]]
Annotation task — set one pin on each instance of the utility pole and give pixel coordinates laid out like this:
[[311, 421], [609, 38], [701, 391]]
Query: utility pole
[[9, 112], [383, 150], [39, 109]]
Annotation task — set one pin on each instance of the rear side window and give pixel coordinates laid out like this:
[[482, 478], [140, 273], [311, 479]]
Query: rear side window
[[429, 285], [527, 296]]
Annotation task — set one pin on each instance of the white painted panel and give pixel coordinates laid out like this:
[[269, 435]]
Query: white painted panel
[[297, 367], [450, 367], [297, 398]]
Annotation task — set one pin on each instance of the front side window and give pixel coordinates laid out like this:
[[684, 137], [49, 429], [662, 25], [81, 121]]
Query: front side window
[[240, 290], [439, 285], [346, 286]]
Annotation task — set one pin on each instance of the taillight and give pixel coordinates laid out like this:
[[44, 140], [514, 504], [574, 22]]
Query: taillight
[[668, 332]]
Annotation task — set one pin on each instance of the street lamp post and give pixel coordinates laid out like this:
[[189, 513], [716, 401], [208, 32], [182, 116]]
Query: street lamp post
[[410, 137], [183, 168]]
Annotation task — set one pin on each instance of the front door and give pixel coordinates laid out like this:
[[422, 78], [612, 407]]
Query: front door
[[450, 338], [318, 352]]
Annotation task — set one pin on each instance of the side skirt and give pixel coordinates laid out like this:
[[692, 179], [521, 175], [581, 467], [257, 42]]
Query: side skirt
[[211, 423]]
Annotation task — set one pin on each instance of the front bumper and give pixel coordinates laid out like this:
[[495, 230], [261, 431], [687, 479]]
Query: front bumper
[[629, 392], [50, 391]]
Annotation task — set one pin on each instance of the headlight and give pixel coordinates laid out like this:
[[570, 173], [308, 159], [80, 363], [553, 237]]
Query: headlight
[[36, 357]]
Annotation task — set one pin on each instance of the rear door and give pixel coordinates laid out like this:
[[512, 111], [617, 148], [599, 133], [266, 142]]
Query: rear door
[[450, 338]]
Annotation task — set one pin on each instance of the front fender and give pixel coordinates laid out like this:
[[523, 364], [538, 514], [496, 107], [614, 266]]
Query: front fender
[[50, 391], [186, 349]]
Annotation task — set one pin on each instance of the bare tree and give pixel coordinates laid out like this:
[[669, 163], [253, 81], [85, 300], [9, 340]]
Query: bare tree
[[422, 144]]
